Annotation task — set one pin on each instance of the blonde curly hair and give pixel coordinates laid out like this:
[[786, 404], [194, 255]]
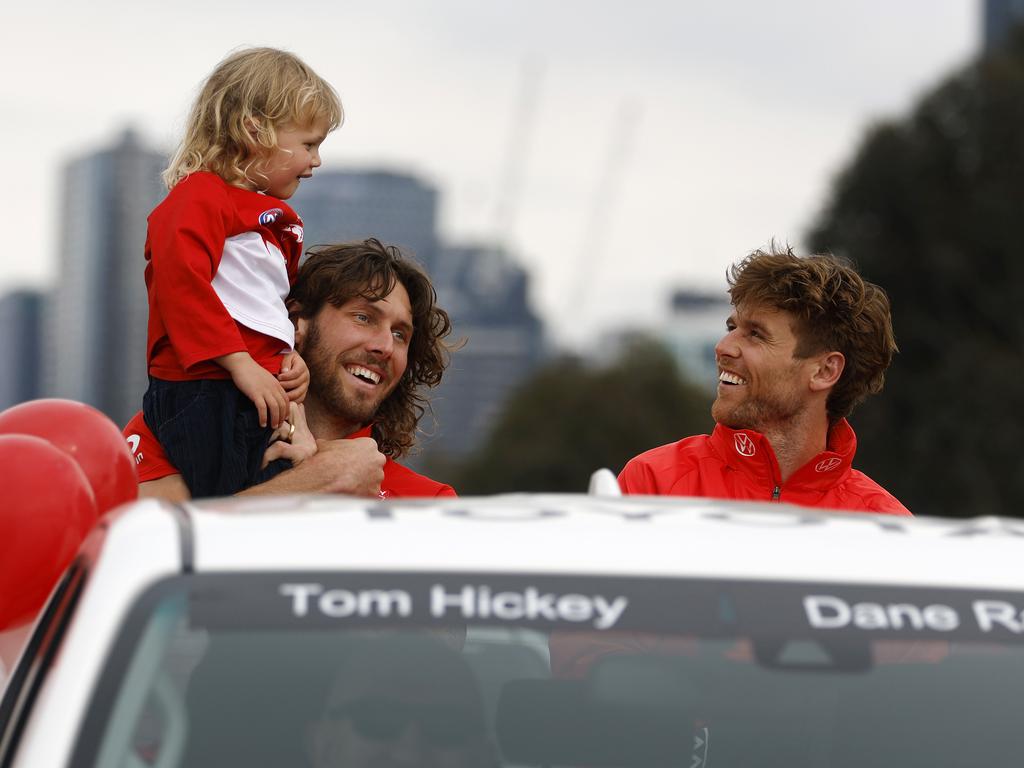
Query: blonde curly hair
[[233, 123]]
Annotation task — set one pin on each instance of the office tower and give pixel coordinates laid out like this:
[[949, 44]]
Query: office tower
[[95, 320], [485, 292], [396, 208], [999, 18], [20, 336], [693, 330]]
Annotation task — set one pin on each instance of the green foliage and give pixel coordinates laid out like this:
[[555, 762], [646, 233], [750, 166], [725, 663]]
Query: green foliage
[[932, 209], [569, 419]]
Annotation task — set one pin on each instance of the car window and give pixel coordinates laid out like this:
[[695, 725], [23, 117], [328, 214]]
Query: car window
[[484, 670]]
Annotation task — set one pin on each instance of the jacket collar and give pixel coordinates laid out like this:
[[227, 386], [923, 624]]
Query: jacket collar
[[366, 431], [750, 452]]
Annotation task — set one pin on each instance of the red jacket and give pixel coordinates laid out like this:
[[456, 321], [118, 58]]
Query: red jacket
[[740, 464], [727, 464], [151, 463]]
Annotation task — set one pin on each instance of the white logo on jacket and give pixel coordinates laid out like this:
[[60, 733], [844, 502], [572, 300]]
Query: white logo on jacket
[[296, 231], [133, 444], [744, 445], [827, 465]]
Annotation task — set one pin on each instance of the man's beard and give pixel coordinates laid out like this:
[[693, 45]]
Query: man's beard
[[760, 412], [326, 383]]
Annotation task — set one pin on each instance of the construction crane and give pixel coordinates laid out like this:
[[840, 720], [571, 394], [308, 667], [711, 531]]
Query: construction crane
[[517, 152], [590, 259]]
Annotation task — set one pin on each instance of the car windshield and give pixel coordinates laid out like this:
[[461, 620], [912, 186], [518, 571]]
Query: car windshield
[[487, 670]]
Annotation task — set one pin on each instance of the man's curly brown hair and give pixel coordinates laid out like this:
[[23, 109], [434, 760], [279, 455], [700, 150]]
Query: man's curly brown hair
[[834, 309], [333, 274]]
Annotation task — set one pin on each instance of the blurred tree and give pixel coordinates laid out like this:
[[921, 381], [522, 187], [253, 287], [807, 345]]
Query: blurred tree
[[569, 419], [932, 209]]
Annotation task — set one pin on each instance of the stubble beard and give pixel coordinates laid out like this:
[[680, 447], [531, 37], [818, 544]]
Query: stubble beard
[[761, 412]]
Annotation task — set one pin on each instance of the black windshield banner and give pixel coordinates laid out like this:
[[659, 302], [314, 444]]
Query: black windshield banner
[[707, 607]]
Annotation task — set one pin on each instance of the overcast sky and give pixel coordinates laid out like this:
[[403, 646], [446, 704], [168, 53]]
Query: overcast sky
[[620, 148]]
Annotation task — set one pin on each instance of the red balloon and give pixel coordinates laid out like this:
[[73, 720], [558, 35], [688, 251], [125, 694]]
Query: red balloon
[[89, 437], [48, 508]]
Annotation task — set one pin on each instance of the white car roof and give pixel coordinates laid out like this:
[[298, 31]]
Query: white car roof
[[642, 536]]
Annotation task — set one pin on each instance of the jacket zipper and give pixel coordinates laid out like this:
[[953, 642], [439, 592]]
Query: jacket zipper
[[776, 493]]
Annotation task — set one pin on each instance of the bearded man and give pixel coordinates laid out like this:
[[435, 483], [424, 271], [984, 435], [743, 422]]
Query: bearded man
[[371, 333]]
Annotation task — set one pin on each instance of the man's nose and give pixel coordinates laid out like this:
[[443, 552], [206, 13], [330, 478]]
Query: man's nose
[[726, 346], [382, 342], [315, 158]]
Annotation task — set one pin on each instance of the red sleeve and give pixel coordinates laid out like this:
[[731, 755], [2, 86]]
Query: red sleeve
[[636, 478], [151, 462], [184, 245], [895, 508]]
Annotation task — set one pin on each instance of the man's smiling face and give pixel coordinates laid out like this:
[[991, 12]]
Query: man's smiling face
[[357, 353], [760, 381]]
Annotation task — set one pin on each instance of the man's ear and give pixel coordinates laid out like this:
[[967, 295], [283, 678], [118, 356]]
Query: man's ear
[[827, 370], [301, 324]]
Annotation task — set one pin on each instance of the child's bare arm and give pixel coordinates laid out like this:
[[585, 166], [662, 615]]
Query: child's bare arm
[[259, 385], [294, 377]]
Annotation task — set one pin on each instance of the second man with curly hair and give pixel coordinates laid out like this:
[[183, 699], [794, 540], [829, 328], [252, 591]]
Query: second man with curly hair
[[808, 339]]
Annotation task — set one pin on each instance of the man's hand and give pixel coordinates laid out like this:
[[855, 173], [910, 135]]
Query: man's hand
[[294, 377], [259, 385], [293, 440], [354, 467]]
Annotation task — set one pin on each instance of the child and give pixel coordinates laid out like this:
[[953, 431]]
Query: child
[[222, 250]]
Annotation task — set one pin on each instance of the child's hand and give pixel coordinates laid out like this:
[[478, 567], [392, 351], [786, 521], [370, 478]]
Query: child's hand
[[294, 377], [293, 440], [259, 385]]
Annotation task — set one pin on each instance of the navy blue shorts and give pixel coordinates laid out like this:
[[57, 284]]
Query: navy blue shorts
[[211, 433]]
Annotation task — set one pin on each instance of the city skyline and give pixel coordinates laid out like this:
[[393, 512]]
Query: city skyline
[[624, 152]]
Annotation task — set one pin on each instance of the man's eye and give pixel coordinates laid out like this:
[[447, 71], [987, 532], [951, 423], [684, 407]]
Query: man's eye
[[400, 335], [361, 318]]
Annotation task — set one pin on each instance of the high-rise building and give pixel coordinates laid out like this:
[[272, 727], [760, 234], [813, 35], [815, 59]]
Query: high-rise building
[[95, 320], [396, 208], [999, 18], [693, 328], [486, 293], [20, 314], [696, 325]]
